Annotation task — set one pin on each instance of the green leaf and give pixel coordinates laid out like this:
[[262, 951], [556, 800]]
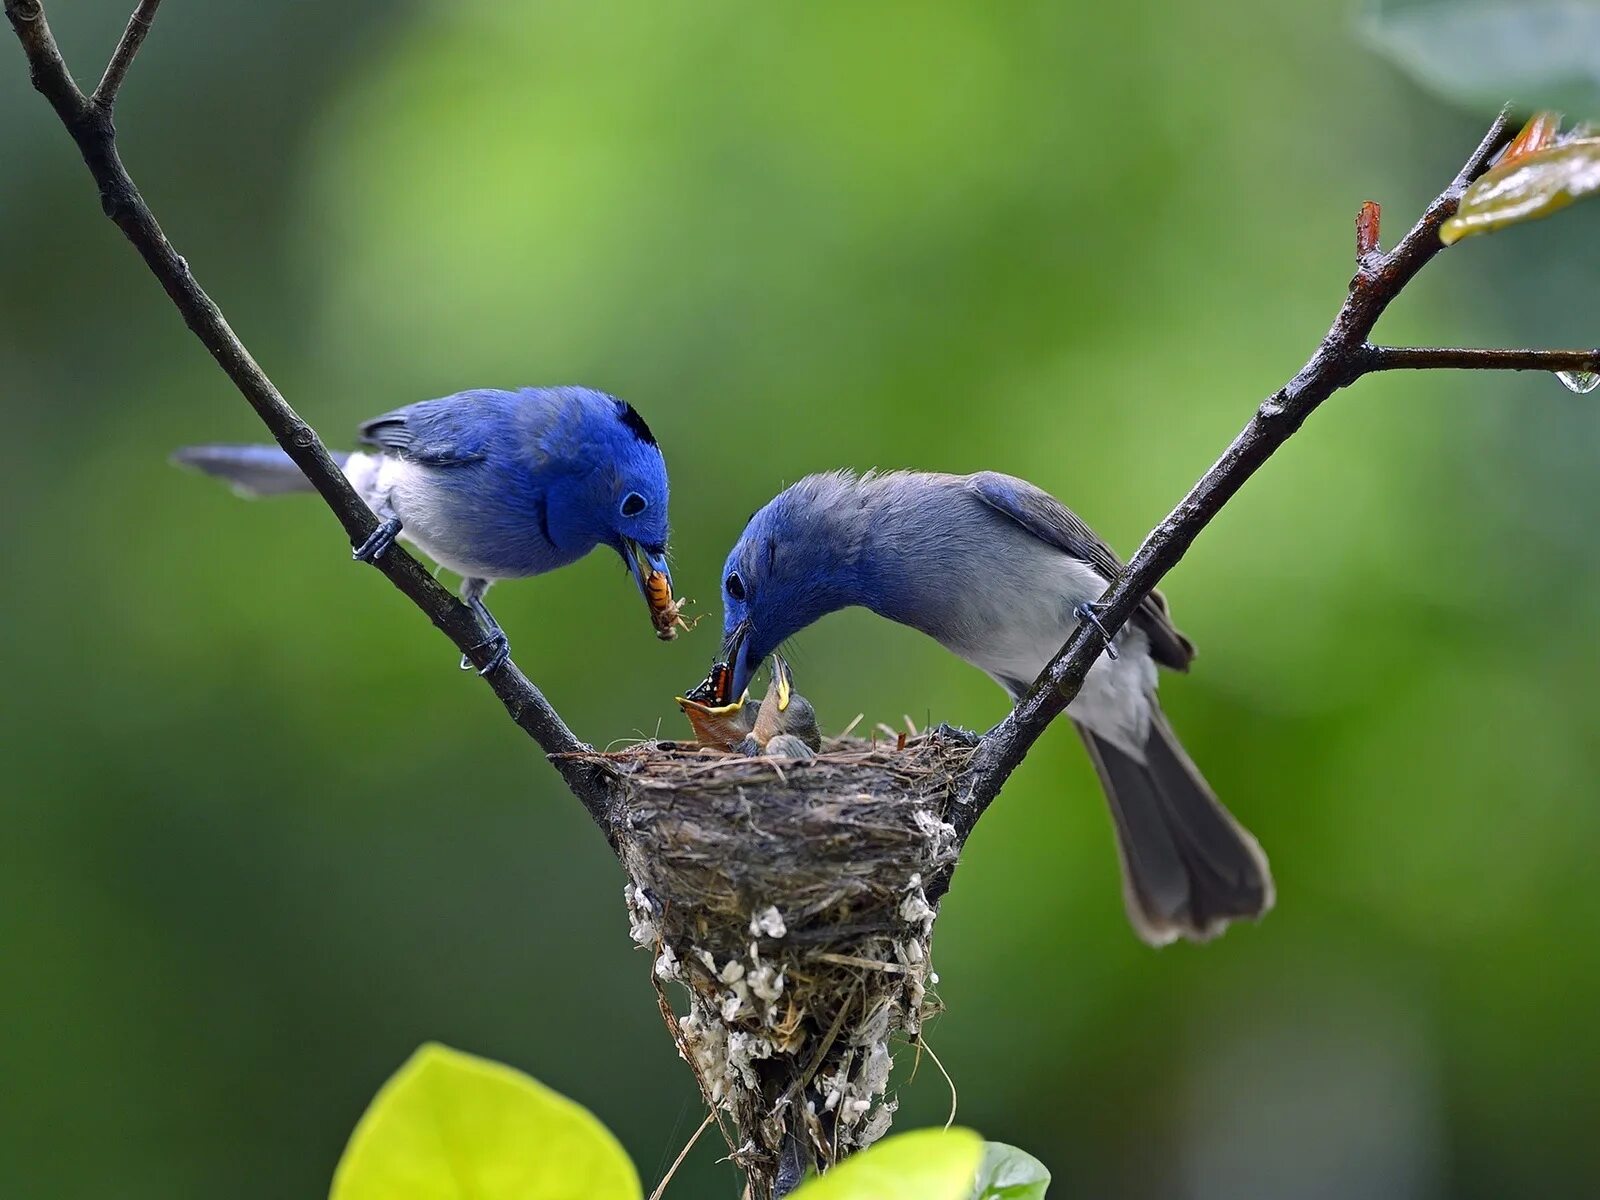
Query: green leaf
[[449, 1126], [1010, 1174], [926, 1164], [1481, 53], [1532, 186]]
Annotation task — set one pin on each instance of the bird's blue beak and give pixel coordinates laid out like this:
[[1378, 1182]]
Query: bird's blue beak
[[736, 653]]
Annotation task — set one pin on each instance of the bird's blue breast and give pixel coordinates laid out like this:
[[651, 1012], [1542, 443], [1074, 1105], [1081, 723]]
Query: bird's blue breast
[[489, 519]]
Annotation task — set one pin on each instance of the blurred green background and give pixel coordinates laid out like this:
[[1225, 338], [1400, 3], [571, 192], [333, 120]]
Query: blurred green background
[[260, 838]]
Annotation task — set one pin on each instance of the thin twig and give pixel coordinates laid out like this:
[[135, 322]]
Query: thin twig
[[1340, 359], [1369, 253], [951, 1119], [91, 128], [661, 1188], [46, 68], [1450, 358], [105, 92]]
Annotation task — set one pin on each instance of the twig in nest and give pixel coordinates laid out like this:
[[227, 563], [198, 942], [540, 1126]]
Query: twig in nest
[[951, 1119], [661, 1187]]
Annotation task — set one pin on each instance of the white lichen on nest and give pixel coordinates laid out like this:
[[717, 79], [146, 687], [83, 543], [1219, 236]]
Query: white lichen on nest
[[792, 908]]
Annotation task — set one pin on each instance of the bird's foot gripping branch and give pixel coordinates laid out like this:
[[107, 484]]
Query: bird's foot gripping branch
[[768, 1067]]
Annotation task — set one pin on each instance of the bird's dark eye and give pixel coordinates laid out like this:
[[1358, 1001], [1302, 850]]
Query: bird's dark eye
[[633, 504], [735, 585]]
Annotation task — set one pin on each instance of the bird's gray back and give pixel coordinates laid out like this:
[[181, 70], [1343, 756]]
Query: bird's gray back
[[969, 575], [958, 569]]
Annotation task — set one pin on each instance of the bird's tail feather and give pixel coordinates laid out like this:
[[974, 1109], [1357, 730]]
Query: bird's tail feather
[[1188, 868], [252, 470]]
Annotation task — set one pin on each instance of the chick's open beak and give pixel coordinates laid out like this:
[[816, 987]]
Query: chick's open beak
[[722, 726], [782, 682], [744, 726], [785, 711]]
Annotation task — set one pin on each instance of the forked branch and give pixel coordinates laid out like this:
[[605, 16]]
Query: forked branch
[[89, 121], [1342, 357]]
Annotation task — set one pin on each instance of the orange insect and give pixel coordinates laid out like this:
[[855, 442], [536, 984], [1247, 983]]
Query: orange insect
[[716, 688], [666, 614]]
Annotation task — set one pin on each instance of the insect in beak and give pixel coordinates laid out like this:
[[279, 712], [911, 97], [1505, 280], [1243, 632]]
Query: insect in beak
[[714, 690], [649, 570], [666, 614]]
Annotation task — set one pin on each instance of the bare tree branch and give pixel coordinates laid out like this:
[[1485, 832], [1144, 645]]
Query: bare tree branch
[[1342, 357], [46, 68], [105, 92], [1437, 358], [89, 121]]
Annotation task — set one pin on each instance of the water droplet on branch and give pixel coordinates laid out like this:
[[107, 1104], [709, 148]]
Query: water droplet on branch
[[1582, 382]]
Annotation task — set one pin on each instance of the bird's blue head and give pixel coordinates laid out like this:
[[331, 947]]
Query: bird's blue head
[[797, 561], [615, 488]]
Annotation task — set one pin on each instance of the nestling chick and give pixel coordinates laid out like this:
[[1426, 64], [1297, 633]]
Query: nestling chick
[[723, 726], [783, 717], [788, 745]]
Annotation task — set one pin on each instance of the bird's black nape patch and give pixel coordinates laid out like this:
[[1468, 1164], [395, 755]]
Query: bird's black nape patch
[[630, 417]]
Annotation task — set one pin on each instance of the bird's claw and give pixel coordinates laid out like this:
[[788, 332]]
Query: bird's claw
[[378, 541], [501, 655], [1089, 614], [496, 639]]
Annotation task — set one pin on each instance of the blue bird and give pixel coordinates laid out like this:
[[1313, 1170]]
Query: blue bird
[[493, 485], [1000, 573]]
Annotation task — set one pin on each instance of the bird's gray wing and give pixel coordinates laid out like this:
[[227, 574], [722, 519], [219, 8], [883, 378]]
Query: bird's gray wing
[[1051, 521], [446, 432]]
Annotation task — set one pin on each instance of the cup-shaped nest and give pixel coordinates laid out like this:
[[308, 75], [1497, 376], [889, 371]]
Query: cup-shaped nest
[[789, 900]]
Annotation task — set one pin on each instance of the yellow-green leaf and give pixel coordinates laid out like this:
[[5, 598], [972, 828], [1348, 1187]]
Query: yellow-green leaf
[[926, 1164], [450, 1126], [1534, 185]]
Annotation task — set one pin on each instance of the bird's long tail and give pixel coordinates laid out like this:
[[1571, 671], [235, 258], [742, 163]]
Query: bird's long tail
[[1188, 868], [252, 470]]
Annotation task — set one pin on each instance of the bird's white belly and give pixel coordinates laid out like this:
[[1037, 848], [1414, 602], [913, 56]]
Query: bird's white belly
[[1019, 643], [392, 487]]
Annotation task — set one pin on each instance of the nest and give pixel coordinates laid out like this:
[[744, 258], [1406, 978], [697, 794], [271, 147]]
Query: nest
[[788, 899]]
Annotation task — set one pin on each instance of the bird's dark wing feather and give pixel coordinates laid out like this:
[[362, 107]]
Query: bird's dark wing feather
[[439, 433], [1051, 521]]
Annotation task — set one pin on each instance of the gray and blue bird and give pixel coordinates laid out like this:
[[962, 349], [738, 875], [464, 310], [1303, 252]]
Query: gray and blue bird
[[1000, 573], [493, 485]]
